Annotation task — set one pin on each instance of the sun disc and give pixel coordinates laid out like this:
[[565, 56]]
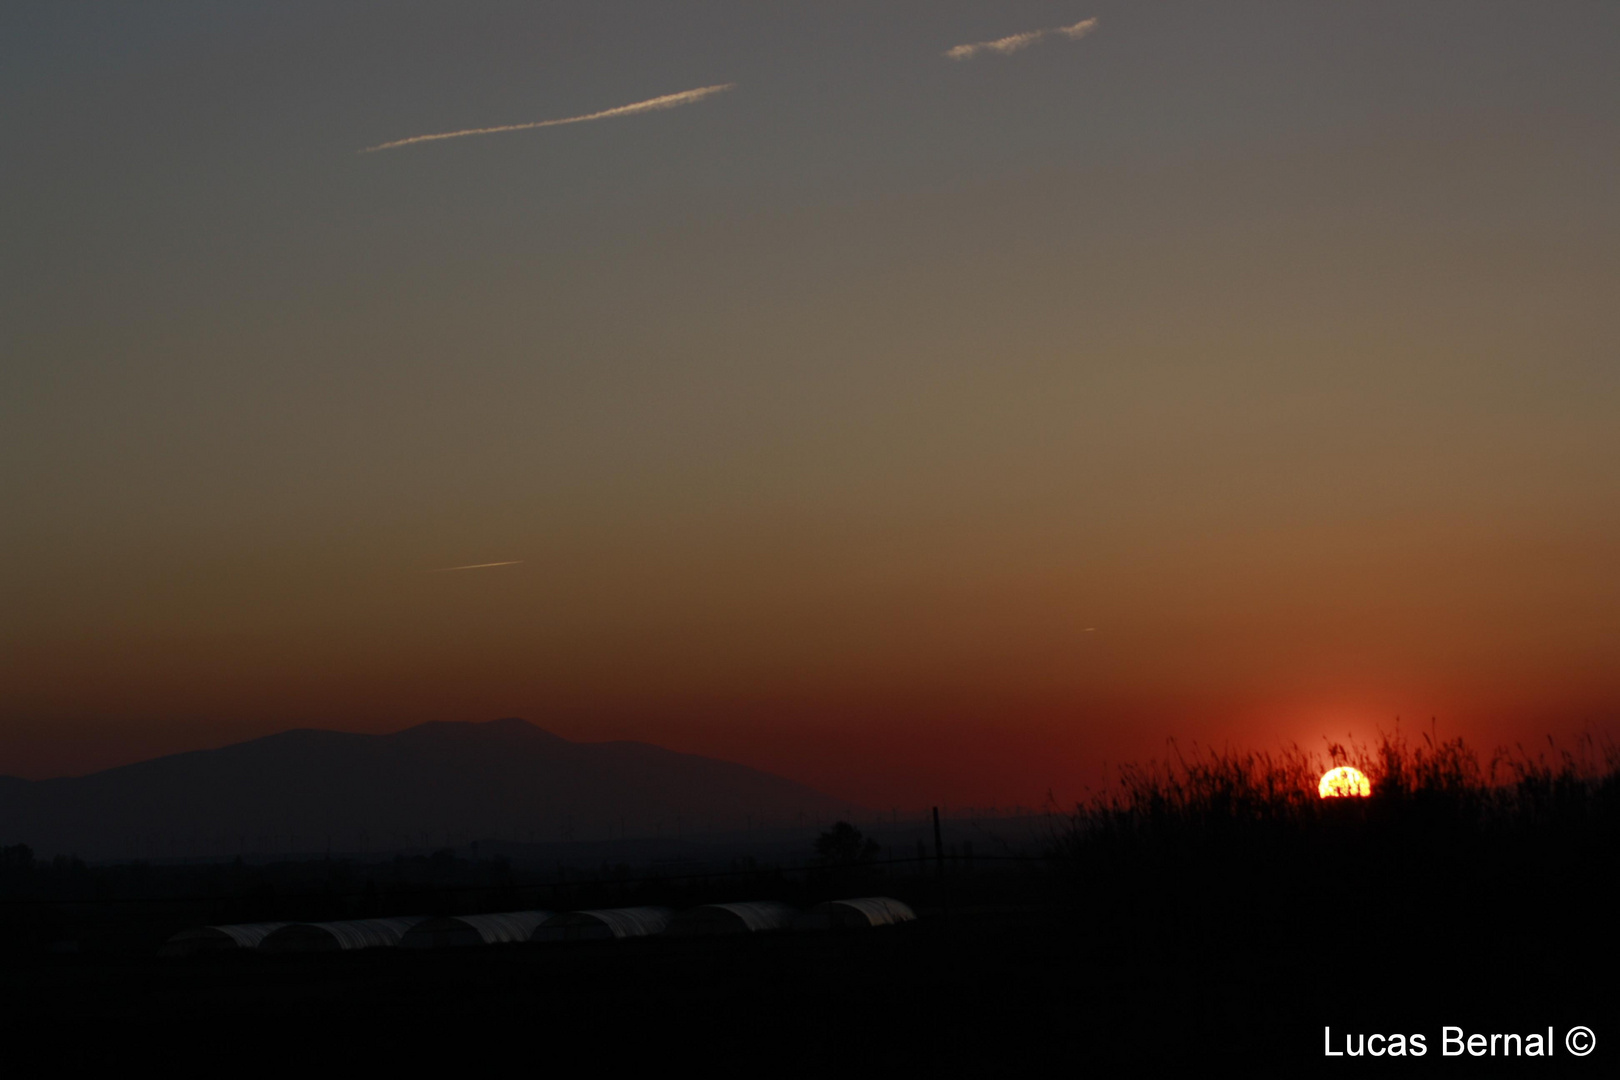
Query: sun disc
[[1344, 782]]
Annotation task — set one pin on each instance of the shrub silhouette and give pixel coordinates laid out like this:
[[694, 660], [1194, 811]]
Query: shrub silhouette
[[844, 845]]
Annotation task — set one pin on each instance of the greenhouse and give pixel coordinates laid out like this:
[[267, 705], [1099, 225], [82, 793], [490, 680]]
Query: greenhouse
[[745, 918], [333, 936], [461, 930], [201, 939], [858, 914], [603, 924]]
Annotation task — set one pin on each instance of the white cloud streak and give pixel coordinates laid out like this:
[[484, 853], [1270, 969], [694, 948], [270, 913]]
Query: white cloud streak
[[476, 566], [1014, 42], [668, 101]]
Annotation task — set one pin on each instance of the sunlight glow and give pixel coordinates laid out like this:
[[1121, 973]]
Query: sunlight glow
[[1343, 782]]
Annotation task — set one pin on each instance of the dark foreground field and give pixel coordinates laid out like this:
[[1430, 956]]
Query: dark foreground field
[[981, 990], [1181, 928]]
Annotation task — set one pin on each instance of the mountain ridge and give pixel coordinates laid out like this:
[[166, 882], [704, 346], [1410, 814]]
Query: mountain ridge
[[314, 789]]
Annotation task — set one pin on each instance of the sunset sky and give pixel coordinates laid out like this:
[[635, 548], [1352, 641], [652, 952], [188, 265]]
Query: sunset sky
[[928, 424]]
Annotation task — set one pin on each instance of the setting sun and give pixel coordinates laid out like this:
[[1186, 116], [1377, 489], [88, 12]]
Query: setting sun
[[1343, 782]]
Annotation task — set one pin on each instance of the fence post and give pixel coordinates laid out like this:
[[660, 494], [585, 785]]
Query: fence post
[[939, 847]]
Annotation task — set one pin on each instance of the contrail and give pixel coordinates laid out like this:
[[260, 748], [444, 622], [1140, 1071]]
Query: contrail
[[475, 566], [668, 101], [1013, 42]]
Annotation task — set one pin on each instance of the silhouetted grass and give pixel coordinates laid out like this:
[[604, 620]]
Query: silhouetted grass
[[1253, 794], [1231, 855]]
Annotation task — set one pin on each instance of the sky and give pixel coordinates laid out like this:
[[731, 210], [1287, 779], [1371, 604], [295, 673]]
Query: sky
[[946, 402]]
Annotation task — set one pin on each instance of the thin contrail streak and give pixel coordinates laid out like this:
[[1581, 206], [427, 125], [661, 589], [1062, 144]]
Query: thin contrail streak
[[1013, 42], [668, 101], [475, 566]]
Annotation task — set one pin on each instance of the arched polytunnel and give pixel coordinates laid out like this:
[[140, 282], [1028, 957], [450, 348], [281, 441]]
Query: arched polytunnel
[[601, 924], [743, 918], [459, 930], [345, 935], [200, 939], [861, 913]]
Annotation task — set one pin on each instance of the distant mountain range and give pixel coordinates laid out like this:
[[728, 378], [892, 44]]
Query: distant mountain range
[[431, 786]]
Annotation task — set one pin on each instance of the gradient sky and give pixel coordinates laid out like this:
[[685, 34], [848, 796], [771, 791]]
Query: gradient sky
[[927, 430]]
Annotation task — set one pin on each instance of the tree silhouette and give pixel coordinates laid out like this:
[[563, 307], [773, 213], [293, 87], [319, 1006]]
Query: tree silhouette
[[843, 845]]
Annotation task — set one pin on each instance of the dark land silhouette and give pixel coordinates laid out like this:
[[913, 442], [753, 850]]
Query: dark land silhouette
[[1209, 910], [426, 787]]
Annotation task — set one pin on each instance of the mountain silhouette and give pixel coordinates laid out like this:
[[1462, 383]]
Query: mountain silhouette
[[433, 785]]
